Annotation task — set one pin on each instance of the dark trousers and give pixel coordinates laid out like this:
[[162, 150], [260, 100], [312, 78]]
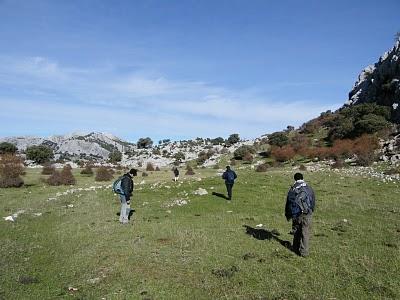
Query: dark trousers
[[229, 187], [302, 231]]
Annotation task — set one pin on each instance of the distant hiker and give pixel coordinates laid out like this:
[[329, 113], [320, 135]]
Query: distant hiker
[[300, 204], [176, 174], [229, 176], [125, 195]]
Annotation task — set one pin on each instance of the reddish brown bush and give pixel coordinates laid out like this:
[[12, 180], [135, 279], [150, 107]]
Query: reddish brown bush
[[342, 149], [149, 167], [158, 169], [300, 141], [103, 174], [233, 162], [48, 169], [11, 168], [144, 174], [55, 179], [338, 164], [364, 148], [66, 176], [189, 170], [284, 153], [262, 168], [247, 157]]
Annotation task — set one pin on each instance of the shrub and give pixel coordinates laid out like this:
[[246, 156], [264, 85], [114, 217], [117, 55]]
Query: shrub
[[149, 167], [233, 139], [66, 176], [144, 143], [302, 168], [262, 168], [300, 141], [48, 169], [189, 170], [283, 154], [39, 154], [103, 174], [338, 164], [11, 169], [364, 148], [144, 174], [158, 169], [87, 170], [278, 139], [342, 149], [179, 156], [248, 158], [242, 151], [9, 148], [55, 179], [217, 141], [233, 162], [115, 156]]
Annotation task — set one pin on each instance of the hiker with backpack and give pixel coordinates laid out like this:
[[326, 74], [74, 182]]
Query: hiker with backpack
[[229, 176], [124, 187], [300, 205]]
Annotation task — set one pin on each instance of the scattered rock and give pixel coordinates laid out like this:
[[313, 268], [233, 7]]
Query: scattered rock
[[200, 191]]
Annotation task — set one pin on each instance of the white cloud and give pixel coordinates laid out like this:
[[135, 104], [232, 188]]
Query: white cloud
[[43, 91]]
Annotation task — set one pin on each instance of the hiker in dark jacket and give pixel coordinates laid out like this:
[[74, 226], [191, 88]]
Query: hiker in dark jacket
[[125, 198], [176, 174], [229, 176], [300, 204]]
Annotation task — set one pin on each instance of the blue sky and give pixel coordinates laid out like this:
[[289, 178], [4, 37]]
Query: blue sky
[[182, 69]]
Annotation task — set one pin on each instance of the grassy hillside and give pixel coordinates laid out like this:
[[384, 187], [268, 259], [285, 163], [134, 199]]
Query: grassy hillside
[[200, 250]]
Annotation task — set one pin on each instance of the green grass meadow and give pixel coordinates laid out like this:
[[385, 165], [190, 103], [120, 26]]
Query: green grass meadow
[[199, 250]]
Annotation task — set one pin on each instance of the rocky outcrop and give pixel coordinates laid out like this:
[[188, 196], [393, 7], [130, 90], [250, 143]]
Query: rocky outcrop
[[380, 83], [94, 144]]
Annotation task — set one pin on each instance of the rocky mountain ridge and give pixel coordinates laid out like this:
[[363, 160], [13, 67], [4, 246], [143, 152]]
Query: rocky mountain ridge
[[380, 83], [97, 146]]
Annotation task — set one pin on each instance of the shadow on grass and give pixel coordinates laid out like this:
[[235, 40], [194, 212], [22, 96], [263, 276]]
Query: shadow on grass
[[263, 234], [220, 195]]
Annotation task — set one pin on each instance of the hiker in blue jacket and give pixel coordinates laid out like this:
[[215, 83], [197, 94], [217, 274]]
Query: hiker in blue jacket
[[300, 205], [229, 176], [125, 198]]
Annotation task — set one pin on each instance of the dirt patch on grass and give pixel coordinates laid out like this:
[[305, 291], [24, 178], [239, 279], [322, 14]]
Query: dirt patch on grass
[[25, 279], [164, 241], [225, 272]]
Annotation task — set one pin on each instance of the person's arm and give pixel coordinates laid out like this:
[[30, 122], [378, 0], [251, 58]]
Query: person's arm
[[224, 175], [234, 175], [288, 209], [126, 189]]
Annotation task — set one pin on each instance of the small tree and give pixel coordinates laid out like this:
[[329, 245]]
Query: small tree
[[115, 156], [144, 143], [39, 154], [11, 169], [103, 174], [179, 156], [9, 148], [233, 139]]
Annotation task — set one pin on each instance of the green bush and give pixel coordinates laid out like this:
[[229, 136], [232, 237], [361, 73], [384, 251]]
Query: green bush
[[39, 154], [115, 156], [242, 151], [6, 147], [278, 139]]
